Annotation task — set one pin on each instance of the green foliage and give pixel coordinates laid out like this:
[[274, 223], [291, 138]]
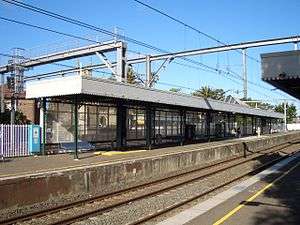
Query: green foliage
[[208, 92], [291, 111], [177, 90], [131, 76], [20, 118]]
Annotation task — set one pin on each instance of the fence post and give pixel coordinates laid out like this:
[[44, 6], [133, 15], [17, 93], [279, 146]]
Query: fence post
[[2, 144]]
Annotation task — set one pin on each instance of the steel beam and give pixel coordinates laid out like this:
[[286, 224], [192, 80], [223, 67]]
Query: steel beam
[[121, 62], [202, 51], [105, 60], [66, 55], [224, 48]]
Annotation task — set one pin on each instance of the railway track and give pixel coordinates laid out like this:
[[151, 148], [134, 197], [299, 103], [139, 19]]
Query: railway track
[[97, 205]]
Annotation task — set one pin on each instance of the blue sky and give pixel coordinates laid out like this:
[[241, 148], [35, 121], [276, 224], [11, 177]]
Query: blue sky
[[228, 20]]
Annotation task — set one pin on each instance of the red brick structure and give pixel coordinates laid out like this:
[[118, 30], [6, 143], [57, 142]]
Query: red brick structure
[[27, 106]]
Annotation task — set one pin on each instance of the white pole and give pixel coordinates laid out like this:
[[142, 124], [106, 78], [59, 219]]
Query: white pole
[[148, 71], [245, 74], [296, 46], [284, 108]]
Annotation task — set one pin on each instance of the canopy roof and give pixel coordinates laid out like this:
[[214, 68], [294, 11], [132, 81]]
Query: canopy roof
[[78, 85]]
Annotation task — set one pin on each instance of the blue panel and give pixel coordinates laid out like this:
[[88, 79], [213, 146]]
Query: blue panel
[[34, 139]]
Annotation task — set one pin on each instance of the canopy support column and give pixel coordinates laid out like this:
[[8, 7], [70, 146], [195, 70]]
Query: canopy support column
[[149, 127], [76, 127]]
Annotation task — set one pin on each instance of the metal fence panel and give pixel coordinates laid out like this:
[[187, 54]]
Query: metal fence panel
[[14, 140]]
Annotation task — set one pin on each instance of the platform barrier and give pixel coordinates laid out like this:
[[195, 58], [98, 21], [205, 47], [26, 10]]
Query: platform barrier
[[19, 140]]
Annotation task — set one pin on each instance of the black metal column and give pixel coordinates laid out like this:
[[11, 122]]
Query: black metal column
[[121, 125], [44, 108], [228, 125], [208, 121], [244, 125], [76, 127], [149, 127], [182, 126], [252, 120]]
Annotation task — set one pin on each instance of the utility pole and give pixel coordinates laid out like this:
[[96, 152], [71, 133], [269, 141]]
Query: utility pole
[[295, 46], [148, 71], [17, 76], [245, 80], [284, 111]]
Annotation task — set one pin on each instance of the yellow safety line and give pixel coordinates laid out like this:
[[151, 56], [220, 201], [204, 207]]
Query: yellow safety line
[[109, 153], [232, 212]]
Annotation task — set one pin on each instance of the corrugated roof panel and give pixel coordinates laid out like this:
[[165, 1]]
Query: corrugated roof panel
[[107, 88]]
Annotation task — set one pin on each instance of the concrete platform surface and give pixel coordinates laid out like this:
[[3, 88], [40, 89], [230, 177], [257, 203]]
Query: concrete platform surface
[[40, 164], [252, 203], [55, 179]]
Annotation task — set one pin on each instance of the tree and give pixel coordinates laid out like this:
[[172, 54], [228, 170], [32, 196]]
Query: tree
[[208, 92], [176, 90], [291, 111], [131, 76], [258, 104], [20, 118]]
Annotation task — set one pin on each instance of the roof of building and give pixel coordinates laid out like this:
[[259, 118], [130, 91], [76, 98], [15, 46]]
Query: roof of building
[[74, 85], [282, 70], [233, 100]]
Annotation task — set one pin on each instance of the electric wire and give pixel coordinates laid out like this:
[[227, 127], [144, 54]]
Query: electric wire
[[199, 32], [82, 24], [189, 26]]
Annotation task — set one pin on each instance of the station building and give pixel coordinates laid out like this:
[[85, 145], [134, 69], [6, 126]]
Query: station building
[[114, 114]]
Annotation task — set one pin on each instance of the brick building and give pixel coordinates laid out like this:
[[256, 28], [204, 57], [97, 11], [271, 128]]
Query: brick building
[[27, 106]]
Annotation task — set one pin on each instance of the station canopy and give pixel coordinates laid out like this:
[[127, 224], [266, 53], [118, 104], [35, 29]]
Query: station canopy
[[282, 70], [66, 87]]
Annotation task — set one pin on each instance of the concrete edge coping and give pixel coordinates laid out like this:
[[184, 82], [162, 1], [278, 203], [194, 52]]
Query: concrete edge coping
[[43, 173], [203, 207]]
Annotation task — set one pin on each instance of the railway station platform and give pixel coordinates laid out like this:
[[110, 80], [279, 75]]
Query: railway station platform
[[59, 179], [37, 165], [270, 197]]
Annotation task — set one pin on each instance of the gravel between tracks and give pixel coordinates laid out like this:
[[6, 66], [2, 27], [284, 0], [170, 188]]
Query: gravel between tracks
[[132, 211], [138, 209]]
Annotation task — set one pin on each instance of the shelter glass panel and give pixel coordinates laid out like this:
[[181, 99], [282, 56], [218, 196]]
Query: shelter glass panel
[[167, 126], [136, 124], [198, 120], [96, 123]]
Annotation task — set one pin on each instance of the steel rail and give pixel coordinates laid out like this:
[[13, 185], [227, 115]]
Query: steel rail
[[135, 188], [179, 204], [70, 220]]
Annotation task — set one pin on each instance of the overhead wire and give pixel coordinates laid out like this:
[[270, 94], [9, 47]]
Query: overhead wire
[[68, 35], [83, 24], [197, 31], [189, 26], [213, 70]]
